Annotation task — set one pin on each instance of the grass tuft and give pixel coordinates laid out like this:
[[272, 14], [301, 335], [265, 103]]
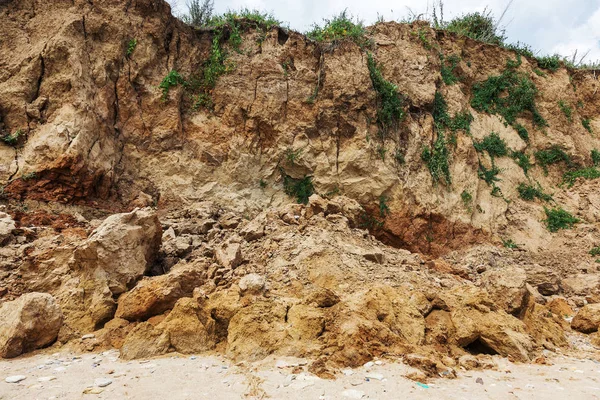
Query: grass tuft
[[557, 219], [301, 189], [341, 26], [566, 110], [552, 155], [586, 122], [389, 111], [437, 162], [530, 193], [510, 95], [493, 144], [570, 177]]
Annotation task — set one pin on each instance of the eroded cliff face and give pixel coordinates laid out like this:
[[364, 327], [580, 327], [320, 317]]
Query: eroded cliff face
[[97, 135], [95, 127]]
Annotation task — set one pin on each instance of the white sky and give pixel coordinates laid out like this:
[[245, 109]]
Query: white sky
[[550, 26]]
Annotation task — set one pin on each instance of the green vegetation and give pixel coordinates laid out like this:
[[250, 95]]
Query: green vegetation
[[530, 193], [171, 80], [595, 154], [262, 183], [340, 27], [301, 189], [557, 219], [443, 121], [389, 110], [539, 72], [566, 109], [510, 95], [490, 176], [447, 69], [478, 25], [552, 155], [399, 156], [509, 244], [467, 199], [551, 63], [12, 139], [436, 159], [493, 144], [422, 35], [384, 210], [522, 131], [522, 160], [586, 124], [292, 155], [199, 14], [595, 251], [587, 173], [131, 47]]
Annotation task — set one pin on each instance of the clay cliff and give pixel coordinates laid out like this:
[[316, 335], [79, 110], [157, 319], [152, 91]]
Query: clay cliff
[[156, 201]]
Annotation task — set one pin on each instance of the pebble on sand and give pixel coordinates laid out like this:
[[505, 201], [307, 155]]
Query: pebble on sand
[[102, 382], [15, 378]]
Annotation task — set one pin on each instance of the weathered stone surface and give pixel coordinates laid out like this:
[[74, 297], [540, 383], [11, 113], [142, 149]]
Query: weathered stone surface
[[587, 319], [28, 323], [507, 287], [155, 295], [229, 254], [121, 248]]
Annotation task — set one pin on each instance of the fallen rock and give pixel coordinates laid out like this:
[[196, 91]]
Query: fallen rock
[[102, 382], [229, 255], [255, 229], [28, 323], [155, 295], [252, 283], [507, 288], [123, 247], [587, 319]]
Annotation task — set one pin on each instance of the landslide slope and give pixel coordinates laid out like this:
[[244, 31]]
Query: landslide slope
[[105, 106]]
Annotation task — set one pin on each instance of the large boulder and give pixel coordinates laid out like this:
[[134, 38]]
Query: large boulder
[[587, 320], [122, 248], [507, 288], [28, 323], [155, 295]]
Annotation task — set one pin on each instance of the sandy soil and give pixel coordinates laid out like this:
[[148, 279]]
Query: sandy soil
[[184, 377]]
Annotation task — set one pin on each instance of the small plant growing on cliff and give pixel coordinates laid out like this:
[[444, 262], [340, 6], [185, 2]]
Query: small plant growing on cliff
[[493, 144], [443, 121], [480, 26], [509, 244], [510, 95], [436, 159], [172, 79], [12, 139], [570, 177], [389, 110], [530, 193], [490, 176], [449, 64], [301, 189], [341, 26], [131, 47], [522, 160], [557, 219], [384, 209], [566, 109], [552, 155], [586, 122], [551, 63], [522, 131], [421, 34], [595, 251], [467, 200], [595, 154], [292, 155]]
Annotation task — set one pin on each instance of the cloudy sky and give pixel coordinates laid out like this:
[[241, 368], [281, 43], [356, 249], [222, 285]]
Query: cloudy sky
[[550, 26]]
